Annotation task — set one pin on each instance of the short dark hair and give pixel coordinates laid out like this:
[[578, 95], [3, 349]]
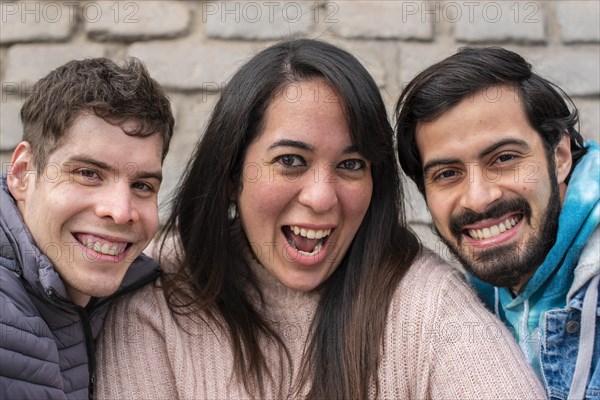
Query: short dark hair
[[100, 87], [471, 70]]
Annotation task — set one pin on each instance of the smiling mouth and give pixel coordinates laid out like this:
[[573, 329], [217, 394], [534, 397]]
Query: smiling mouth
[[494, 230], [102, 246], [308, 242]]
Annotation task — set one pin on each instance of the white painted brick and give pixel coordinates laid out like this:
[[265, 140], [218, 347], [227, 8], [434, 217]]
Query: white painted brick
[[371, 59], [27, 63], [11, 130], [499, 21], [589, 117], [414, 203], [189, 65], [26, 21], [191, 115], [382, 20], [192, 112], [577, 71], [258, 19], [137, 20], [171, 175], [578, 20], [415, 58]]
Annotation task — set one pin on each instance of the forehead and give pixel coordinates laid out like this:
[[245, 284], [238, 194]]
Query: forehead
[[93, 136], [477, 121], [305, 109]]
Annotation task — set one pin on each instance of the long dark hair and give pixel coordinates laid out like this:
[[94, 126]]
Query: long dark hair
[[443, 85], [211, 249]]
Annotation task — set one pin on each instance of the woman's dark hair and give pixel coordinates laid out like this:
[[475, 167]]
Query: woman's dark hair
[[471, 70], [212, 250]]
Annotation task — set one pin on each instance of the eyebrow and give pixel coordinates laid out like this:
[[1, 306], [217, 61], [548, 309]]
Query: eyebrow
[[491, 148], [305, 146], [114, 168]]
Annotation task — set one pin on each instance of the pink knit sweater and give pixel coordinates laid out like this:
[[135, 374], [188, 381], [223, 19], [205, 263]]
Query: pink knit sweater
[[440, 343]]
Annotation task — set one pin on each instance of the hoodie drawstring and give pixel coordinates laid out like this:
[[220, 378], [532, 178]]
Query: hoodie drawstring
[[524, 334]]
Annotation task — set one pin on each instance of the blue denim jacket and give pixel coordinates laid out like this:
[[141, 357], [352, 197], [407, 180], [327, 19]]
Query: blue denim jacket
[[560, 338]]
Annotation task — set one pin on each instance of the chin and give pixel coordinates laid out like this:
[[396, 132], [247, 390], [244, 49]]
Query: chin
[[301, 285]]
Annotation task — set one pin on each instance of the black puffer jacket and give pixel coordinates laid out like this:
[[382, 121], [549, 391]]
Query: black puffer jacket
[[46, 341]]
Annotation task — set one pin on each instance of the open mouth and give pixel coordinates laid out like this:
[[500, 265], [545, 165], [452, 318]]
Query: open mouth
[[100, 245], [308, 242], [494, 230]]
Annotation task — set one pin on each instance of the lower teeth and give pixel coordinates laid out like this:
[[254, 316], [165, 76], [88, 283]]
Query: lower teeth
[[316, 250]]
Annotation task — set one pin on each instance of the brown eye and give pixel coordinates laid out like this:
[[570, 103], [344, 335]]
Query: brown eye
[[352, 165], [505, 157], [290, 160], [88, 174]]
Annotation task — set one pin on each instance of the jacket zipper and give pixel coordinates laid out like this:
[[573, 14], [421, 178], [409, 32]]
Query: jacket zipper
[[84, 316], [90, 347]]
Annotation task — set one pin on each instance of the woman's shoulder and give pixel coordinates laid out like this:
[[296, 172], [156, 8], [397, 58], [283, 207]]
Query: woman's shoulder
[[429, 271], [431, 289], [148, 303]]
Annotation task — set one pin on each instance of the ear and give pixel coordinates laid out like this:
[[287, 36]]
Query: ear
[[562, 158], [22, 169]]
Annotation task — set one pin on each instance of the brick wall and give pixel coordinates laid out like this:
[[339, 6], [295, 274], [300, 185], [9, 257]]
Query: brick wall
[[193, 47]]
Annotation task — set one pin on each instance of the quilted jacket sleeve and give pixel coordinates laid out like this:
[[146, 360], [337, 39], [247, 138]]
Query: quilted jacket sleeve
[[29, 367]]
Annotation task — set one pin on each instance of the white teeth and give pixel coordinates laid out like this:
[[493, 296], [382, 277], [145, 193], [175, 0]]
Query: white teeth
[[494, 230], [103, 248], [310, 233]]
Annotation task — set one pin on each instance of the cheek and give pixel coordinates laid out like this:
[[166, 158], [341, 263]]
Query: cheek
[[150, 219], [356, 199]]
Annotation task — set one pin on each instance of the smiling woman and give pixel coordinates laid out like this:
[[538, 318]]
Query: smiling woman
[[309, 184], [292, 273]]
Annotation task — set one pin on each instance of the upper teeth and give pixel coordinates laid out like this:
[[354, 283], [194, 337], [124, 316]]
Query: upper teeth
[[310, 233], [103, 248], [493, 230]]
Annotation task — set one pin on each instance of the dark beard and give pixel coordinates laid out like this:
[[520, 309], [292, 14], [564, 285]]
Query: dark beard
[[507, 266]]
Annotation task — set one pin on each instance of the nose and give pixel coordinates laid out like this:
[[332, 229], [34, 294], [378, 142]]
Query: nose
[[481, 191], [117, 204], [319, 191]]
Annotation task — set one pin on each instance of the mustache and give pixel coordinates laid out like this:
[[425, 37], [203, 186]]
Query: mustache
[[497, 210]]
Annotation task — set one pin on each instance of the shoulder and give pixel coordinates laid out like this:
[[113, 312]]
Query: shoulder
[[434, 290], [28, 348], [17, 306], [443, 343], [428, 277], [144, 309], [422, 300], [147, 303]]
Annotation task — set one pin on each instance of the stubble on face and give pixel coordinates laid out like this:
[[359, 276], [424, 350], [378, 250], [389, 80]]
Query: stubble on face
[[508, 265]]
